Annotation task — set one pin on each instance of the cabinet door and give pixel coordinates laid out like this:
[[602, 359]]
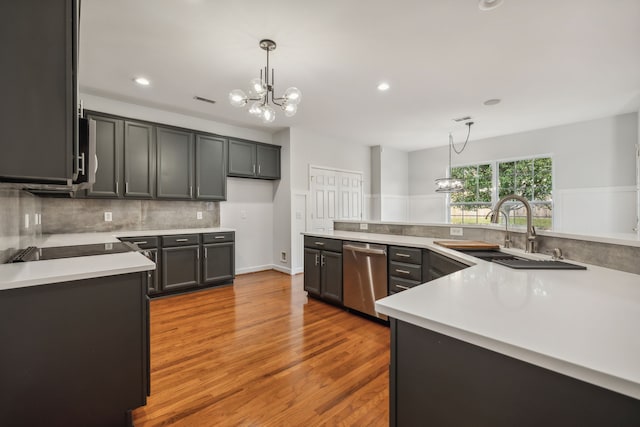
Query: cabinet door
[[109, 143], [242, 158], [175, 163], [331, 287], [268, 159], [312, 271], [218, 264], [138, 160], [38, 86], [211, 168], [180, 267]]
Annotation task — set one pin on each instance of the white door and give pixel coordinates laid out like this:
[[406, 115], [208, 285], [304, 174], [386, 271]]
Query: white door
[[335, 195]]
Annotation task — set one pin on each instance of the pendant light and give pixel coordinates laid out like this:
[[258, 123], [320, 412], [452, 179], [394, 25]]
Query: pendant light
[[450, 184], [259, 90]]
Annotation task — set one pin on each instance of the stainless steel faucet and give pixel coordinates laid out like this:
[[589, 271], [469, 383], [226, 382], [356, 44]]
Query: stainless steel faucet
[[531, 231], [507, 235]]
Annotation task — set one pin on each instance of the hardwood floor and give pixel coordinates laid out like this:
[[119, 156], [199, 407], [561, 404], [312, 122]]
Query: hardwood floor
[[259, 353]]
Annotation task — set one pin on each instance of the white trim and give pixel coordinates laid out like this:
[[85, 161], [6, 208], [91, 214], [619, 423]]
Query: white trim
[[282, 269], [617, 189], [254, 269]]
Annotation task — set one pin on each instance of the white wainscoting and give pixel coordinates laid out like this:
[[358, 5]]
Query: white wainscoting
[[595, 210], [427, 208]]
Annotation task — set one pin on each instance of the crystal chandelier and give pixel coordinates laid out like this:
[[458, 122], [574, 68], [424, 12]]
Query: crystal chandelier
[[450, 184], [259, 90]]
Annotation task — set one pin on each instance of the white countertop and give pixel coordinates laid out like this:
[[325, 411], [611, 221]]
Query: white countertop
[[34, 273], [581, 323]]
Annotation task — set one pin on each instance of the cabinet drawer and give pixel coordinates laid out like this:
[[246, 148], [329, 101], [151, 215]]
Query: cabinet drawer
[[227, 236], [406, 255], [180, 240], [143, 242], [443, 265], [398, 285], [332, 245], [405, 271]]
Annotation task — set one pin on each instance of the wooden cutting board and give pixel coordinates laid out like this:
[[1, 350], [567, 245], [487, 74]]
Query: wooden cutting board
[[466, 244]]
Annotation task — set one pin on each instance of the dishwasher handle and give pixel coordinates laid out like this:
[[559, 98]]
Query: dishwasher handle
[[364, 250]]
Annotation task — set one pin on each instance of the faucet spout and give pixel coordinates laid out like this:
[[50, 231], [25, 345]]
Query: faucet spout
[[507, 236], [531, 231]]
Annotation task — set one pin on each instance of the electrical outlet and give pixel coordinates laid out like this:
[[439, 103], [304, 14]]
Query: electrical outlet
[[26, 220], [455, 231], [243, 214], [283, 256], [198, 215], [108, 217], [364, 226]]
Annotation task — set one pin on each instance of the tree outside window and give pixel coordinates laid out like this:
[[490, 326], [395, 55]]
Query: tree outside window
[[471, 205]]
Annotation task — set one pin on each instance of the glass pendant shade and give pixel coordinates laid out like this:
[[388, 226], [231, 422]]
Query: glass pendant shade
[[268, 114], [290, 109], [257, 88], [237, 98], [448, 185], [293, 95], [256, 109]]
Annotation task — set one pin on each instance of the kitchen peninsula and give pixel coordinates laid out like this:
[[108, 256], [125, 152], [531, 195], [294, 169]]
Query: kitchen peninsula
[[489, 345]]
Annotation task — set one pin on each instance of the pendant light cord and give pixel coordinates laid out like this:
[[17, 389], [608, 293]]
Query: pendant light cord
[[463, 147]]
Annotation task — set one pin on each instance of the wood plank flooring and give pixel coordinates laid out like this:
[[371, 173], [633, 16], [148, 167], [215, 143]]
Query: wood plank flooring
[[259, 353]]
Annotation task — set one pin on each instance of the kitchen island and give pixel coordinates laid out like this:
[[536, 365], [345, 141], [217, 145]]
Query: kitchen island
[[531, 337]]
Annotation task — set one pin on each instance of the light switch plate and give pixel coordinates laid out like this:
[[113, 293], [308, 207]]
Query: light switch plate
[[108, 217], [199, 215], [455, 231], [364, 226]]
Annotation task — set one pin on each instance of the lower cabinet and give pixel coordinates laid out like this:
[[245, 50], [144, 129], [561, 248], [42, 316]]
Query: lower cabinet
[[323, 269], [436, 265], [187, 261]]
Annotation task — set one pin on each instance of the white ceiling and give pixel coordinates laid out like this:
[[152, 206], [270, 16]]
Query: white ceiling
[[550, 61]]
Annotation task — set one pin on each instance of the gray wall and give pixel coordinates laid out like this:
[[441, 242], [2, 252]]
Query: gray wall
[[87, 215], [15, 232]]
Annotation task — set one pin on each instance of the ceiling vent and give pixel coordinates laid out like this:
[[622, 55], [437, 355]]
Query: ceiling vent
[[199, 98], [462, 119]]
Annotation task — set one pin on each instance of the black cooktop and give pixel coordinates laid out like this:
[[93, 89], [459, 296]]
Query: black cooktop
[[33, 253]]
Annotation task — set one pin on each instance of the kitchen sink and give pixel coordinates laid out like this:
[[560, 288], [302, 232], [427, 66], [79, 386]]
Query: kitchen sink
[[512, 261]]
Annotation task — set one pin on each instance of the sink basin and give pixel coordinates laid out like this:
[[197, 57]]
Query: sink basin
[[512, 261]]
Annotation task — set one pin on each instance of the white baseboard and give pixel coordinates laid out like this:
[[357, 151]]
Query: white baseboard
[[255, 269], [281, 269]]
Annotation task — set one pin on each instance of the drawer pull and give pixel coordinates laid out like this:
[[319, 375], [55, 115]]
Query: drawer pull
[[403, 271], [319, 243], [403, 255], [182, 240], [219, 237], [144, 242], [402, 287]]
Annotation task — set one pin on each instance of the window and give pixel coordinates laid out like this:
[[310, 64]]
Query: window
[[531, 178]]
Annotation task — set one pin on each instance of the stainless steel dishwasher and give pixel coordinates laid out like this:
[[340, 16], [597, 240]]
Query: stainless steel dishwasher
[[364, 276]]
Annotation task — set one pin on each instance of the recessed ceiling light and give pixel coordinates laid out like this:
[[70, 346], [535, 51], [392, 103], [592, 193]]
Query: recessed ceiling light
[[486, 5], [383, 86], [492, 101], [142, 81]]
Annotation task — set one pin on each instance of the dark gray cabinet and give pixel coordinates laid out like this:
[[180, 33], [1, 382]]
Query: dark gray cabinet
[[109, 146], [149, 246], [83, 344], [248, 159], [180, 261], [323, 268], [405, 268], [38, 118], [138, 160], [218, 265], [211, 168], [174, 163]]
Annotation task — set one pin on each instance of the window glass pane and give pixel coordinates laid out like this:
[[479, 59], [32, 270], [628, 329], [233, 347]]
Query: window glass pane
[[506, 178]]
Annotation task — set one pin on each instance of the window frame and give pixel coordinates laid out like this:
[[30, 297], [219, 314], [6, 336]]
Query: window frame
[[495, 183]]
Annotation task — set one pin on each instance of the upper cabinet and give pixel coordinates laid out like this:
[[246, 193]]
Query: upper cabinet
[[211, 165], [38, 136], [139, 165], [249, 159], [109, 145], [175, 163]]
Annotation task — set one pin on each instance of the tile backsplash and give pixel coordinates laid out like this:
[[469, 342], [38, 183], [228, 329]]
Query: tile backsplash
[[19, 220], [88, 215]]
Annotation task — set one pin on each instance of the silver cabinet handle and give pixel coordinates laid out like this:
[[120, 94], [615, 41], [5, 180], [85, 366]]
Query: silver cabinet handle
[[140, 243], [403, 255], [322, 263], [116, 187], [182, 240], [205, 253], [198, 253], [198, 191], [254, 168], [364, 250], [126, 187], [402, 287], [403, 271], [316, 259], [219, 237], [191, 191], [318, 243], [258, 169]]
